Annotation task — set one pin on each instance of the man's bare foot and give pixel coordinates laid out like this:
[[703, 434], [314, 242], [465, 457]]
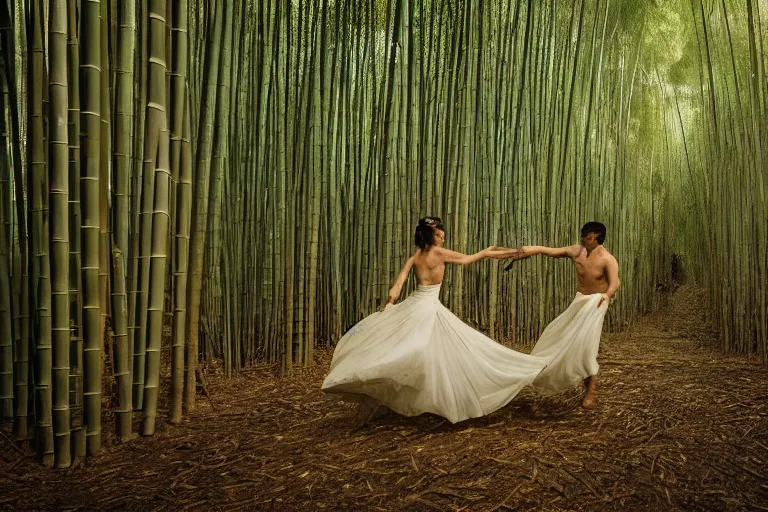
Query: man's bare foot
[[590, 399]]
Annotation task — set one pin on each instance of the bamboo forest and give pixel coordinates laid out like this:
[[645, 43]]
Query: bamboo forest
[[204, 205]]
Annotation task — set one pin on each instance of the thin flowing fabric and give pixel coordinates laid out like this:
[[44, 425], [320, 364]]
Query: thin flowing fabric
[[418, 357]]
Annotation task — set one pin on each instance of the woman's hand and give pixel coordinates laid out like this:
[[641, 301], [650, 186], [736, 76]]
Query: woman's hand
[[393, 295]]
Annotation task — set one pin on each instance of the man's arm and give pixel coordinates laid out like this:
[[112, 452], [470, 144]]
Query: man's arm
[[570, 251], [612, 276]]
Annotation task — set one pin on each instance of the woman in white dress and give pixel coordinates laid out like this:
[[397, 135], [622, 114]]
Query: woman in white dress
[[416, 356]]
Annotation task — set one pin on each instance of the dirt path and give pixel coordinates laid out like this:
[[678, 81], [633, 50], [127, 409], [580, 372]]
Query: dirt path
[[679, 427]]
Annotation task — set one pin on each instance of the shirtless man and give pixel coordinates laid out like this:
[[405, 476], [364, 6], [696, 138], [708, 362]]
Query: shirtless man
[[597, 271]]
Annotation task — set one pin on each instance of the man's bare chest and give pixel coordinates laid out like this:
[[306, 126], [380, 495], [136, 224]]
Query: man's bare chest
[[590, 269]]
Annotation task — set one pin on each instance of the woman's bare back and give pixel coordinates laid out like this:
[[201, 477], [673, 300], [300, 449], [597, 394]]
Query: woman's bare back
[[429, 266]]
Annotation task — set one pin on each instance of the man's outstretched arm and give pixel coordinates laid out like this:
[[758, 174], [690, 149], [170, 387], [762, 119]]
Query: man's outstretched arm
[[570, 251]]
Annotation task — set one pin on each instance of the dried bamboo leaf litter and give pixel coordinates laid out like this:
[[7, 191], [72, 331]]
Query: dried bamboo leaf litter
[[679, 427]]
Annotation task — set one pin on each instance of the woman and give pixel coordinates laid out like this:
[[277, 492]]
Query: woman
[[417, 356]]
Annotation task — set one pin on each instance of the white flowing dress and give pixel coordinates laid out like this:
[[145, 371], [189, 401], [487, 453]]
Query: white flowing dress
[[418, 357]]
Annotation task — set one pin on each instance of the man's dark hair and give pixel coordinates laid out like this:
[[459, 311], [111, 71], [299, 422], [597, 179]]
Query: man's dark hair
[[596, 228]]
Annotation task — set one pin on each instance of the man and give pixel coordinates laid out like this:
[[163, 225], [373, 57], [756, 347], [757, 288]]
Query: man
[[571, 341]]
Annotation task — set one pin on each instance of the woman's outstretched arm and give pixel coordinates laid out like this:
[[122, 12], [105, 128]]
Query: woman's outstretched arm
[[465, 259]]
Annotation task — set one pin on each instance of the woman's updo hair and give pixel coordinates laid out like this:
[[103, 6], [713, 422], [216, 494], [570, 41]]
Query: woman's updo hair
[[425, 231]]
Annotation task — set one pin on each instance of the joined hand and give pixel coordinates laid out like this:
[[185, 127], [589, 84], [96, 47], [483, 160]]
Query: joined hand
[[514, 255]]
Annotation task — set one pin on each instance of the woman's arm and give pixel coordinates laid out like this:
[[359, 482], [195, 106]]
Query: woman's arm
[[394, 292], [464, 259], [502, 253]]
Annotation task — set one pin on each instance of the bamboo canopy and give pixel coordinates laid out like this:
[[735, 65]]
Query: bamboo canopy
[[237, 182]]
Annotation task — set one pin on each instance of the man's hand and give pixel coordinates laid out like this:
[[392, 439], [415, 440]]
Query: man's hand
[[386, 305], [501, 253], [514, 255], [603, 298], [518, 254]]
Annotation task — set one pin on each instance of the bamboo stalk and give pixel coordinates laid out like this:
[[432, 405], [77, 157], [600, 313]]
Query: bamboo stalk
[[123, 155], [200, 214], [90, 143], [157, 170], [40, 275], [6, 313], [181, 165], [74, 215], [124, 409], [59, 219]]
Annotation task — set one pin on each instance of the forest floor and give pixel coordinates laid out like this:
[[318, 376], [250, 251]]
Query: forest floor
[[679, 426]]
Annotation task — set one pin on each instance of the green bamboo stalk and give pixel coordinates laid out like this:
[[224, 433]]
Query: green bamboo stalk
[[200, 214], [181, 166], [106, 153], [160, 225], [5, 162], [758, 99], [59, 212], [122, 372], [155, 239], [6, 233], [181, 264], [75, 270], [219, 164], [315, 177], [123, 126], [90, 143], [123, 155], [133, 281], [41, 284], [155, 117], [6, 314]]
